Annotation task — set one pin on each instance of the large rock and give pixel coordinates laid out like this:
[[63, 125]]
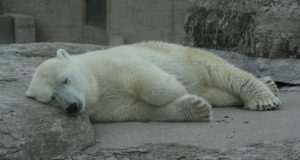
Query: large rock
[[269, 28], [30, 130]]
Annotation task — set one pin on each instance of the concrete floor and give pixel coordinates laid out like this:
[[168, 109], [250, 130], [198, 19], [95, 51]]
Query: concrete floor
[[231, 128]]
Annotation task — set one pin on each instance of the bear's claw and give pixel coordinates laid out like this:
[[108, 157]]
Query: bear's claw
[[270, 84]]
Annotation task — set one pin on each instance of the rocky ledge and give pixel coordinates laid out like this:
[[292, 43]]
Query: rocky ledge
[[264, 150]]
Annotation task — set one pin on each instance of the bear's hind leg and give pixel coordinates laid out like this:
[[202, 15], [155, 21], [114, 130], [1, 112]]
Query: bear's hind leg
[[186, 108], [220, 98], [168, 97]]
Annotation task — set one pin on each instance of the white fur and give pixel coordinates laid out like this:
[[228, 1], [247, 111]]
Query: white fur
[[151, 81], [62, 54]]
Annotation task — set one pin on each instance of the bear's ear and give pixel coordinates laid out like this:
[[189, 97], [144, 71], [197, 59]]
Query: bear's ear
[[62, 54]]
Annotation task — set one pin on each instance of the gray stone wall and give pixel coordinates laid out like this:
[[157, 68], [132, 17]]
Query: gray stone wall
[[93, 35], [55, 20], [134, 20], [6, 29], [138, 20], [23, 28], [1, 7]]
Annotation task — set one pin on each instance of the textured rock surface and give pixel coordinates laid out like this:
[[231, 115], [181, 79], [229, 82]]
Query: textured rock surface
[[264, 150], [47, 49], [269, 28], [30, 130]]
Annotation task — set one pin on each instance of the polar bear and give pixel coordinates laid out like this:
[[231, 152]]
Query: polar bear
[[148, 81]]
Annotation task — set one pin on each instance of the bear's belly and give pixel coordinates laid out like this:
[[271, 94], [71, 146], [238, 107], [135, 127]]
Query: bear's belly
[[113, 107]]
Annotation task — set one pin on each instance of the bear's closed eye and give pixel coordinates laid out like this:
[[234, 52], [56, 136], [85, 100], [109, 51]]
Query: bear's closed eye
[[67, 81]]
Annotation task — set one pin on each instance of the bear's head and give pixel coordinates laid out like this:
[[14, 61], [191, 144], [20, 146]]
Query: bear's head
[[59, 80]]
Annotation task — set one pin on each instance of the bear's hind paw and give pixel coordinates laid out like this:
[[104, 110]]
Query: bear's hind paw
[[198, 110], [263, 104]]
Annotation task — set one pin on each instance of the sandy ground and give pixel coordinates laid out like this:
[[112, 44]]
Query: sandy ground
[[231, 128]]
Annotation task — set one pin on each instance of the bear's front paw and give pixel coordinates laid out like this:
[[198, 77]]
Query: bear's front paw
[[198, 109], [267, 103]]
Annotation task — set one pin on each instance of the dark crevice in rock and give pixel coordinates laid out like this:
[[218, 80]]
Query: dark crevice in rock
[[280, 84]]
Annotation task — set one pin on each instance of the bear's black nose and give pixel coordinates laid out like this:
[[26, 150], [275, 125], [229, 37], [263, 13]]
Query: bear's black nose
[[72, 108]]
